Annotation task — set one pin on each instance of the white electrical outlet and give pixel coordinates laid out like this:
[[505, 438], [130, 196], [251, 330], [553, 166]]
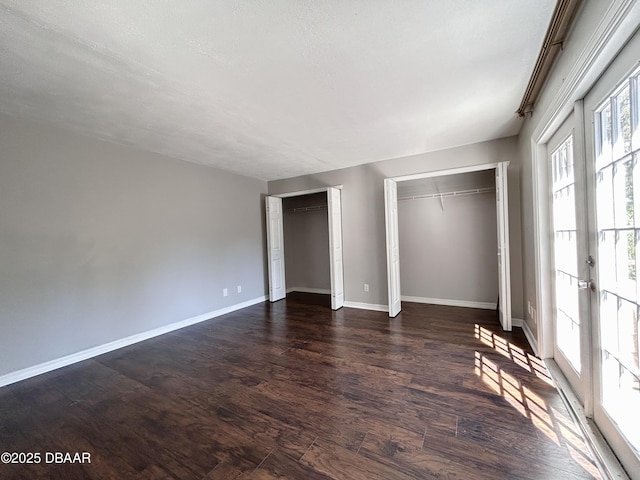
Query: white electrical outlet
[[225, 292], [239, 288], [366, 287]]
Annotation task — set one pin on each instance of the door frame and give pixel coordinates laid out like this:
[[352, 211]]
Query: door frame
[[504, 250], [615, 28], [335, 229]]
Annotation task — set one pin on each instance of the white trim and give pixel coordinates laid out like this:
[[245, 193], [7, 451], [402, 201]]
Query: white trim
[[530, 337], [45, 367], [367, 306], [606, 460], [450, 171], [450, 303], [304, 192], [323, 291], [541, 247], [517, 322]]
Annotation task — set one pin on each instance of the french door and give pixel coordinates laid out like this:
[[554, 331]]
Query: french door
[[570, 261], [612, 109], [594, 163]]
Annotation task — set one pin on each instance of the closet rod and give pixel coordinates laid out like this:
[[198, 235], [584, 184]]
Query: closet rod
[[458, 193], [306, 209]]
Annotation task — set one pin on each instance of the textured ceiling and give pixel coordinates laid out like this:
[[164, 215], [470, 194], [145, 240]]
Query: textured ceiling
[[273, 88]]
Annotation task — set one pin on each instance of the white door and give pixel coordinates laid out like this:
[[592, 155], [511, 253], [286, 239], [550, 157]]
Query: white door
[[275, 249], [393, 250], [570, 270], [504, 272], [335, 247], [612, 117]]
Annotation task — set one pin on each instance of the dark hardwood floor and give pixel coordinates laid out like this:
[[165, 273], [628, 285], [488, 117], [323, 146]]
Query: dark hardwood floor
[[292, 390]]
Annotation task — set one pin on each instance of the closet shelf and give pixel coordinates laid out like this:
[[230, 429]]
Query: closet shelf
[[457, 193], [306, 209]]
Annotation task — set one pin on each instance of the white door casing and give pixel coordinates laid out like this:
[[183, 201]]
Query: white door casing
[[504, 274], [502, 210], [393, 250], [275, 249], [335, 247]]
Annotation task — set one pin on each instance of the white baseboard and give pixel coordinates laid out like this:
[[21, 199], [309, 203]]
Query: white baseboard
[[45, 367], [367, 306], [325, 291], [530, 337], [517, 322], [450, 303]]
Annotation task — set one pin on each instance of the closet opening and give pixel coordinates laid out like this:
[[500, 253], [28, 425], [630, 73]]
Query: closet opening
[[447, 239], [447, 231], [306, 239], [304, 244]]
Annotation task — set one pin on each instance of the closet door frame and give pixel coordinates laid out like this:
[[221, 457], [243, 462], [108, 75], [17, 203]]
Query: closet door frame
[[502, 256], [335, 234]]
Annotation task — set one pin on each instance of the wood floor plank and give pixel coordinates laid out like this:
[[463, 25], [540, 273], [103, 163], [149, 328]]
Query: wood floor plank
[[279, 466], [403, 450], [290, 440], [293, 390], [547, 452], [337, 462]]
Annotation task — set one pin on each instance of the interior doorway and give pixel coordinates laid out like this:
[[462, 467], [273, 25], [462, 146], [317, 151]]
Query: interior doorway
[[447, 234], [306, 239], [392, 236], [275, 212]]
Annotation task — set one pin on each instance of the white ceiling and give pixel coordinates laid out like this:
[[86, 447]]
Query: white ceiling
[[273, 88]]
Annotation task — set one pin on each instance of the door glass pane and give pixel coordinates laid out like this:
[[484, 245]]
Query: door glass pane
[[617, 200], [604, 144], [604, 197], [567, 315], [635, 113], [623, 122]]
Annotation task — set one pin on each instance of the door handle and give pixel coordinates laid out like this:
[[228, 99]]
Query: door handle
[[584, 284]]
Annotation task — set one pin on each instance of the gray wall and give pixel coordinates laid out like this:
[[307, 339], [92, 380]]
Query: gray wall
[[448, 248], [589, 16], [99, 242], [306, 242], [363, 211]]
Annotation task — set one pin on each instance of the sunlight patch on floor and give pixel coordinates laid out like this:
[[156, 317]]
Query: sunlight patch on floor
[[552, 423], [517, 355]]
